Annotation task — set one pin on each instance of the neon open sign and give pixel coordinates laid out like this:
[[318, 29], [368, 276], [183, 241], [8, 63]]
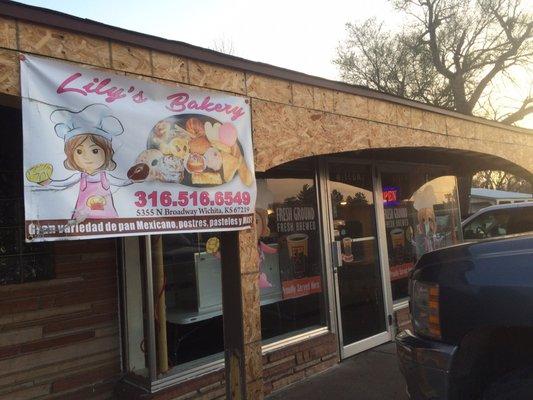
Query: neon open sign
[[390, 196]]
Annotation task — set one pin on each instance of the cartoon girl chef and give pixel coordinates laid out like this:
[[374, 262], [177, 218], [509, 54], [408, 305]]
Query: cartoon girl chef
[[87, 135], [426, 229]]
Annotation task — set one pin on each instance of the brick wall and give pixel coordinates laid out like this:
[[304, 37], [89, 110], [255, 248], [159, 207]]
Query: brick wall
[[299, 361], [281, 368], [210, 386], [60, 338]]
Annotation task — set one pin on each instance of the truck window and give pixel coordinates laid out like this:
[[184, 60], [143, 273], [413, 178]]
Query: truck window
[[521, 220], [489, 224]]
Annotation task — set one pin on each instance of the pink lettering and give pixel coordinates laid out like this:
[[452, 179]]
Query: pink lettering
[[206, 104], [113, 93], [88, 87], [63, 87], [139, 97], [99, 87], [236, 113], [178, 102]]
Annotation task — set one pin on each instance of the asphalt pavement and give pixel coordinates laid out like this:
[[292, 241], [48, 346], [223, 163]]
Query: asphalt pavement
[[371, 375]]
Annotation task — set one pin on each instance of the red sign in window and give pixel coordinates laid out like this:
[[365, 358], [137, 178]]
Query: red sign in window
[[390, 195], [301, 287]]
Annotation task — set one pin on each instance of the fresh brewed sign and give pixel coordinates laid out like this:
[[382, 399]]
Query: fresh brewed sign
[[109, 156]]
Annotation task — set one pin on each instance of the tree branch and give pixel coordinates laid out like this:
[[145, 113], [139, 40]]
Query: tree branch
[[432, 24], [499, 64], [523, 111]]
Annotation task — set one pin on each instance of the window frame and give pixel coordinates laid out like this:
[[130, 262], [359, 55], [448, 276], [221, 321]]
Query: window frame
[[181, 373], [297, 336]]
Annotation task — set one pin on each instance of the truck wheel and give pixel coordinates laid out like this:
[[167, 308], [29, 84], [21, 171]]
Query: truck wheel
[[516, 385]]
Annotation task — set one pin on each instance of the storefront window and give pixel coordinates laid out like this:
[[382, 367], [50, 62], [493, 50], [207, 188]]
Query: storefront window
[[421, 215], [192, 295], [291, 266], [20, 262], [186, 289]]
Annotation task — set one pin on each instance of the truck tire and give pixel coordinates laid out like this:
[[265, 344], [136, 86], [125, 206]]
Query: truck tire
[[516, 385]]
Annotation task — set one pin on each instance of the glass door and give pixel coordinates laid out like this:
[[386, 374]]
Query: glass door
[[362, 310]]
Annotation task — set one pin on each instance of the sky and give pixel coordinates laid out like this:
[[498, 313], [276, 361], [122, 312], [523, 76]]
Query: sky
[[294, 34]]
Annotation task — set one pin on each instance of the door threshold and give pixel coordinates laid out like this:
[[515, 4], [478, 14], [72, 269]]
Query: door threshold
[[365, 344]]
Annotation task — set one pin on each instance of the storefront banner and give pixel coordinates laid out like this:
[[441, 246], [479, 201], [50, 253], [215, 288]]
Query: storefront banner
[[297, 224], [105, 155]]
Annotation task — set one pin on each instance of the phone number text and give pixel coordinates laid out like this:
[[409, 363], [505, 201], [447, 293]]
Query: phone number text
[[195, 198]]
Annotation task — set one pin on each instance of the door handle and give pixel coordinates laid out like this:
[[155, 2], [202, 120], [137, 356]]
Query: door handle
[[337, 255]]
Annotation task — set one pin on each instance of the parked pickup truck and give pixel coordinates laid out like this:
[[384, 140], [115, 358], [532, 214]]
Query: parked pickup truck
[[472, 316]]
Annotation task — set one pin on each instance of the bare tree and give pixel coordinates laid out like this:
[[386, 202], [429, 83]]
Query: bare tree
[[448, 53], [500, 180], [224, 45]]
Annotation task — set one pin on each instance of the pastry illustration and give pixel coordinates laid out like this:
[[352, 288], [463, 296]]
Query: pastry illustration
[[206, 178], [195, 127], [245, 174], [211, 131], [193, 150], [172, 169], [235, 151], [39, 173], [153, 159], [227, 134], [195, 163], [139, 172], [230, 164], [213, 159], [199, 145], [96, 202], [221, 146], [161, 131], [179, 131], [178, 147]]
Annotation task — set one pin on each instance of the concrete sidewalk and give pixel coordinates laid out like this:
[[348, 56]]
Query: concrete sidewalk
[[371, 375]]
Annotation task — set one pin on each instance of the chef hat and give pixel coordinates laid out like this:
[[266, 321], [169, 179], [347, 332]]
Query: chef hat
[[94, 119], [265, 197], [424, 197]]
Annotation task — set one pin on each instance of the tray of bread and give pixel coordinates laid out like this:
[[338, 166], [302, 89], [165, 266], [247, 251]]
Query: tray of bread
[[193, 150]]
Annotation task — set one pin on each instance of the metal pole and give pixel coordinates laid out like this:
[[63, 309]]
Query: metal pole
[[162, 352], [152, 360]]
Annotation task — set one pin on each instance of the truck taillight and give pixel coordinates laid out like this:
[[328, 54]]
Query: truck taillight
[[425, 309]]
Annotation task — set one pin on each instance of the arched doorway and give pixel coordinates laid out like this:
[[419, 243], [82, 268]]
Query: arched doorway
[[376, 211]]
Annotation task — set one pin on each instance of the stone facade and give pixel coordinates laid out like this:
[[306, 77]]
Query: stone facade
[[290, 120], [319, 120]]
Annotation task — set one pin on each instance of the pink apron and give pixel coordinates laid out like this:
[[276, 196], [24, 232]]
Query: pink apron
[[263, 248], [95, 200]]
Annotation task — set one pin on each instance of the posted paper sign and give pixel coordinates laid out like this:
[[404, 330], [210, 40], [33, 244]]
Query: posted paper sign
[[105, 155]]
